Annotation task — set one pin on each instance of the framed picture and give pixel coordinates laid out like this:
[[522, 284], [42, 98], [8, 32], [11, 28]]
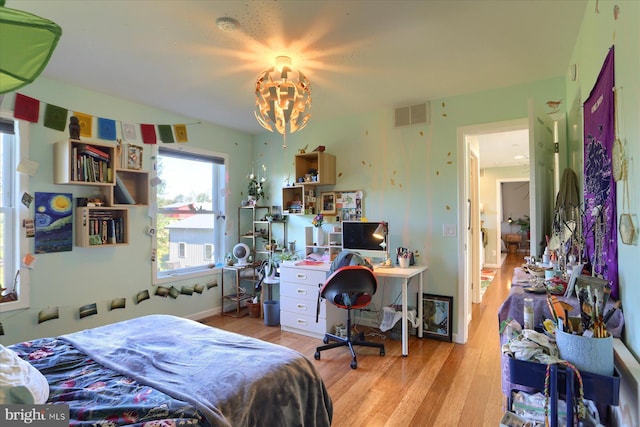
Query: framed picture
[[134, 157], [328, 201], [437, 312]]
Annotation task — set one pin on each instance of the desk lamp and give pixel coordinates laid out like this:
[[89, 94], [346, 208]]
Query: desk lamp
[[382, 232]]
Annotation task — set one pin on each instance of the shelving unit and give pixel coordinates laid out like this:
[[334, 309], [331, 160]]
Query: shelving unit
[[238, 296], [83, 163], [333, 243], [299, 200], [324, 163], [136, 183], [256, 232], [101, 226]]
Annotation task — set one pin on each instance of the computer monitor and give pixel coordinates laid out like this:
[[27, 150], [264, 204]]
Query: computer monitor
[[358, 236]]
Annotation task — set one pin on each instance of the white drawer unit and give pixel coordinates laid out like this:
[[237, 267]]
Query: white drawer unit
[[299, 286]]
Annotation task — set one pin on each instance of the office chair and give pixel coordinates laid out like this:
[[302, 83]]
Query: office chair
[[349, 287]]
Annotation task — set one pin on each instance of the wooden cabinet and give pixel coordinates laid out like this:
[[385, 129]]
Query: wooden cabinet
[[101, 226], [300, 200], [299, 286], [131, 188], [321, 162], [83, 163]]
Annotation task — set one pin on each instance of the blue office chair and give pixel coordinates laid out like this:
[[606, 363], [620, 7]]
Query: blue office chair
[[349, 287]]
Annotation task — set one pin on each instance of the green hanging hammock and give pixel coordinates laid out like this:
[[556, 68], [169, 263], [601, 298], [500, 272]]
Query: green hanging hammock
[[26, 44]]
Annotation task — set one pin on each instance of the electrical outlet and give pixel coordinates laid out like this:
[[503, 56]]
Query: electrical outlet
[[448, 230]]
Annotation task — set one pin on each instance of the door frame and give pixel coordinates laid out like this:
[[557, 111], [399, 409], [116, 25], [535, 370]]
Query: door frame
[[463, 315]]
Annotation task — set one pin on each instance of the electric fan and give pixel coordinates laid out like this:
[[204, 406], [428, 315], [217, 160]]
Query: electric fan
[[241, 252]]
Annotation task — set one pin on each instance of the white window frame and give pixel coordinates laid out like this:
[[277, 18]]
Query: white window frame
[[182, 249], [19, 244], [219, 206]]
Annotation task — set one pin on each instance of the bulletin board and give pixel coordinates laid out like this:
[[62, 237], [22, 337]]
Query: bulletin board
[[349, 205]]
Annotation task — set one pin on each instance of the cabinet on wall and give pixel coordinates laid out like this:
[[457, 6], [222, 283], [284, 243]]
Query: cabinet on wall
[[131, 188], [324, 164], [83, 163], [299, 200], [332, 243], [101, 226], [299, 286]]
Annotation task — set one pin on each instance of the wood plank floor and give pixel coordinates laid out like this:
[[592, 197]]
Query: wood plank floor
[[439, 384]]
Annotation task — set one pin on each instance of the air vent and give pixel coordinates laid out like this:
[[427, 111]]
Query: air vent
[[412, 115]]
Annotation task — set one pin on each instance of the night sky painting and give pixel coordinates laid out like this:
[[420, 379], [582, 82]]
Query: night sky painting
[[53, 222]]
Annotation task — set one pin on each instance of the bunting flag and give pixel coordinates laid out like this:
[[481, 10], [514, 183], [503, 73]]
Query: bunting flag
[[86, 124], [181, 133], [26, 108], [129, 132], [166, 134], [148, 133], [55, 117], [106, 129]]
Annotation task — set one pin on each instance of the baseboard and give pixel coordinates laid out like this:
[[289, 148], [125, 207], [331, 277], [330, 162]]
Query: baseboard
[[204, 314]]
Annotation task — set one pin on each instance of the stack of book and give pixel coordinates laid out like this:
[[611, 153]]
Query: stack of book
[[295, 207], [91, 164], [104, 229]]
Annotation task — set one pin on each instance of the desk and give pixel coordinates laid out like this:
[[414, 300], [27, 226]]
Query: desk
[[304, 269], [406, 274]]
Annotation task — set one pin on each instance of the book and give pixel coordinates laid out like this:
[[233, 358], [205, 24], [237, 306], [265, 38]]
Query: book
[[93, 151]]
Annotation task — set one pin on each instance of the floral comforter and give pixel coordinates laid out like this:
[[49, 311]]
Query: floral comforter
[[97, 395]]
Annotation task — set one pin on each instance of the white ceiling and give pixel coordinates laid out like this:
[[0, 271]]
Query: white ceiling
[[359, 55]]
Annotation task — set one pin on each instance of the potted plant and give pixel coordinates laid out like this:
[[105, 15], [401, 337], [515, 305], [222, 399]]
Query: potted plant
[[525, 224]]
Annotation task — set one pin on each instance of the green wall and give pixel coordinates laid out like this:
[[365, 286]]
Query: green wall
[[86, 275], [600, 30]]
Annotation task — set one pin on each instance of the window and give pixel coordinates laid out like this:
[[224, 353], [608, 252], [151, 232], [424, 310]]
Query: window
[[189, 222], [14, 145]]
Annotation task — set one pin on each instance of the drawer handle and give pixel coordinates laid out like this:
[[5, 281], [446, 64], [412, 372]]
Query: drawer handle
[[301, 276], [302, 322], [302, 306], [301, 291]]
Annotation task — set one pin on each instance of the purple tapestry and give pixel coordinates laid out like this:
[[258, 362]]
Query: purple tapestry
[[600, 231]]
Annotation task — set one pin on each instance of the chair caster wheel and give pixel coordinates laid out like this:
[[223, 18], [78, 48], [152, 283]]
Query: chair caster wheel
[[354, 364], [381, 352], [325, 340], [317, 355]]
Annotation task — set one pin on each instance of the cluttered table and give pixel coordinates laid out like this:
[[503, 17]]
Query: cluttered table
[[513, 308]]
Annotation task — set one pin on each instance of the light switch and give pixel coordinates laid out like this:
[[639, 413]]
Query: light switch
[[449, 230]]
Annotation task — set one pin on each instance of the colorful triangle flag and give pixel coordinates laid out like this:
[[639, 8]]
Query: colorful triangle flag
[[106, 129], [86, 124], [26, 108], [181, 133], [166, 134], [148, 134], [55, 117]]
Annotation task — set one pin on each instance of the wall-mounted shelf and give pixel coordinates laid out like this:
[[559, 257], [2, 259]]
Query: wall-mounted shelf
[[101, 226], [83, 163], [322, 162], [131, 189], [299, 200]]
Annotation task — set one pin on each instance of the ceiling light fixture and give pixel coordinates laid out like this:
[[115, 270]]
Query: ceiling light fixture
[[227, 24], [283, 99], [26, 45]]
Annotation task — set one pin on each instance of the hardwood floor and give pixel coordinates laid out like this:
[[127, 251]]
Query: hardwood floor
[[439, 384]]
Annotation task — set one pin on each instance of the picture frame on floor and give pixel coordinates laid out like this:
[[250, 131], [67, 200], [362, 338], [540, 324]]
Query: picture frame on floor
[[437, 314]]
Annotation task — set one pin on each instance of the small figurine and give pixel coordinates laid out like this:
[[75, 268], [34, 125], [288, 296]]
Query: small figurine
[[74, 128]]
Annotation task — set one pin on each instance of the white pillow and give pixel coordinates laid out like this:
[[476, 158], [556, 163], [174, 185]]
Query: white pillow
[[18, 379]]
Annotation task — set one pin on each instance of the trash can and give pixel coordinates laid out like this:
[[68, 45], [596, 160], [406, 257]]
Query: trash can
[[272, 313]]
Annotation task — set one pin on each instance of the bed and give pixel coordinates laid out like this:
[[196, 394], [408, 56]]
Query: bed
[[166, 370]]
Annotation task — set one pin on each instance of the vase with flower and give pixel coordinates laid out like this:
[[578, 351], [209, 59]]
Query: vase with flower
[[318, 231]]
